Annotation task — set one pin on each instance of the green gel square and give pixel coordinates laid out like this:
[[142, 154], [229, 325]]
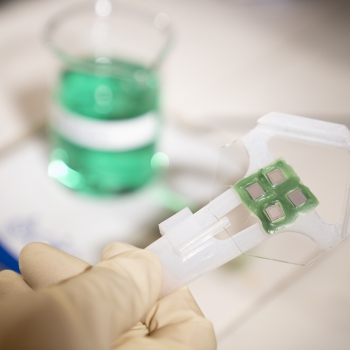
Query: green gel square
[[282, 187]]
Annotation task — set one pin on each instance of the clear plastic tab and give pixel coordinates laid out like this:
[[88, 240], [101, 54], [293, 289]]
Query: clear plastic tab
[[192, 244], [297, 185]]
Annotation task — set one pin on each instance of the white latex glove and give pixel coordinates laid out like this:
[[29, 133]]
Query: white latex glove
[[61, 302]]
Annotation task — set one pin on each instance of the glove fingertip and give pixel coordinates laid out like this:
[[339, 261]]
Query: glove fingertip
[[11, 283], [42, 265], [28, 251], [116, 248]]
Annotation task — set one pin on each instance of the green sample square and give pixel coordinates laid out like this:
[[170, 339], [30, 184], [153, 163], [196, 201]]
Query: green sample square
[[276, 195]]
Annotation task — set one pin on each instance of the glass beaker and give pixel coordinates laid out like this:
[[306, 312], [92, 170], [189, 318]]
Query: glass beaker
[[104, 112]]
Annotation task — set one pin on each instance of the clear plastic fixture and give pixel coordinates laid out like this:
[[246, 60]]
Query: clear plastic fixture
[[290, 170], [319, 155]]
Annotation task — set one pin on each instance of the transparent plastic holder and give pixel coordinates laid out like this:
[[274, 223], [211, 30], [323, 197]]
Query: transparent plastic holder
[[317, 154]]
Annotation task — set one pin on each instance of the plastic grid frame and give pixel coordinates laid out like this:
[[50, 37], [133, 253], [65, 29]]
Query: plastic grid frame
[[188, 247], [276, 194]]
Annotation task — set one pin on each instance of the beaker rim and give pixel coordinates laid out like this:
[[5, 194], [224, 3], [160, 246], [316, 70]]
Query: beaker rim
[[158, 19]]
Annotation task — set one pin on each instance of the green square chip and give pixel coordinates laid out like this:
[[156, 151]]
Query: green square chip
[[276, 195]]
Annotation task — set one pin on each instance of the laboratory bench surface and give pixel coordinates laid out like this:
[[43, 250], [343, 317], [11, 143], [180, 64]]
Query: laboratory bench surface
[[232, 62]]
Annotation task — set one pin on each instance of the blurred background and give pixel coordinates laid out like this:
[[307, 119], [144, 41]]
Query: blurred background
[[229, 62]]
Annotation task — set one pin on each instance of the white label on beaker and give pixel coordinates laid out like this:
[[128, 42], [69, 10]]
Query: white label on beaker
[[107, 135]]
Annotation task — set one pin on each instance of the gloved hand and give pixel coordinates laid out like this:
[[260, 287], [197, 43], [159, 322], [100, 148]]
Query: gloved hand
[[61, 302]]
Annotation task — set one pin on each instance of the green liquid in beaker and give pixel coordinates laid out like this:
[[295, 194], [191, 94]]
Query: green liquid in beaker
[[129, 92]]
